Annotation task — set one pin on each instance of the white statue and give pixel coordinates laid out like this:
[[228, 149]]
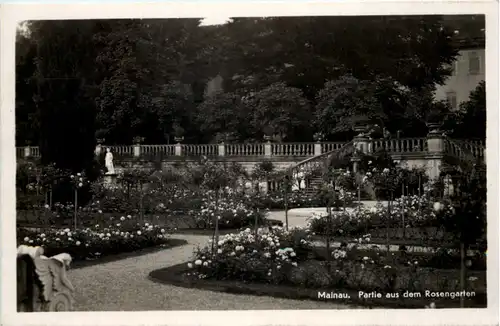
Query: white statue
[[109, 162]]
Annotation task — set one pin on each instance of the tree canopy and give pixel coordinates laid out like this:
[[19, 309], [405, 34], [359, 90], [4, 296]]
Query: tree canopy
[[292, 76]]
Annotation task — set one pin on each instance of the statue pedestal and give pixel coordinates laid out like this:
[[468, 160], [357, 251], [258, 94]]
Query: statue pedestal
[[110, 180]]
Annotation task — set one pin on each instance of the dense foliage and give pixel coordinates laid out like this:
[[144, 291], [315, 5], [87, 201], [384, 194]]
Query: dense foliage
[[128, 78]]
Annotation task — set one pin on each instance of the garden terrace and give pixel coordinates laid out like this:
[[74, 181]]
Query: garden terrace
[[423, 153]]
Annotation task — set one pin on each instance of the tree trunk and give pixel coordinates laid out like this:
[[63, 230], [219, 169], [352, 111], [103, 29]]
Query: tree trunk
[[328, 230], [462, 272], [286, 207], [215, 238], [141, 208], [403, 210], [387, 224], [76, 208]]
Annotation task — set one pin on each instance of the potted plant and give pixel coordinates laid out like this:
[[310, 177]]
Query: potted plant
[[435, 116], [100, 136], [268, 133], [178, 133], [319, 136], [361, 125], [138, 140]]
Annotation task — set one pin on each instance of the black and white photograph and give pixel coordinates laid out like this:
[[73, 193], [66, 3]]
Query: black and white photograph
[[271, 162]]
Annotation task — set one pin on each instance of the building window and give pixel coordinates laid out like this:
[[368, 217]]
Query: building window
[[451, 98], [474, 63]]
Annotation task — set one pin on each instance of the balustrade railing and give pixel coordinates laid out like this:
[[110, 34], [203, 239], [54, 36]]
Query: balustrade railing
[[31, 151], [309, 167], [399, 145], [463, 149], [455, 147], [200, 150], [331, 146], [165, 150], [256, 149], [122, 150], [476, 148], [292, 149]]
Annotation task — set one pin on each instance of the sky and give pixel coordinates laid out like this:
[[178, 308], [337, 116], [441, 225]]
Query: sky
[[214, 21]]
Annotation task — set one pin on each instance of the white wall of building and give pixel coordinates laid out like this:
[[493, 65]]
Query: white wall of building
[[468, 71]]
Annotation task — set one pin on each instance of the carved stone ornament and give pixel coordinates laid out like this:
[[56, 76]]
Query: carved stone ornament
[[51, 289]]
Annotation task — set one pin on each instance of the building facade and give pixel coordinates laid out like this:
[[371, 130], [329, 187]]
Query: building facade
[[467, 72]]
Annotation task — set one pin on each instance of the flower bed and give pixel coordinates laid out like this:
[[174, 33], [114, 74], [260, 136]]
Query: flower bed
[[275, 200], [416, 215], [177, 276], [232, 212], [119, 235], [286, 260]]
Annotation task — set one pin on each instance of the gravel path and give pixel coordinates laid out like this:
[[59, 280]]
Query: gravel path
[[124, 286]]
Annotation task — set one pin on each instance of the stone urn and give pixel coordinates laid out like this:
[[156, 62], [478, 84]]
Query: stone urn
[[318, 137], [360, 130], [434, 128], [267, 138], [100, 141], [178, 139], [138, 140]]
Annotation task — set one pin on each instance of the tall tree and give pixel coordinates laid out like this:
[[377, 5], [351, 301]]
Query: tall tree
[[223, 116], [62, 76], [470, 120], [305, 52], [282, 110], [145, 66]]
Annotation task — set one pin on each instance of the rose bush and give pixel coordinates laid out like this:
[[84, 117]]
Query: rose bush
[[417, 211], [230, 209], [265, 256], [276, 256], [119, 234]]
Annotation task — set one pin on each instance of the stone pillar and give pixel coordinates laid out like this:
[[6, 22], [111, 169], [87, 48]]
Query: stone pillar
[[27, 151], [98, 146], [178, 145], [137, 146], [222, 149], [137, 150], [355, 163], [435, 145], [268, 148], [178, 149], [317, 148], [361, 143], [98, 150]]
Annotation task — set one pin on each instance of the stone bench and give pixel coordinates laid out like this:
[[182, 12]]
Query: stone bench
[[42, 283]]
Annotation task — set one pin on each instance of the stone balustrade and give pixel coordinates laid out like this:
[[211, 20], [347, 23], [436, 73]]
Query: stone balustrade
[[304, 150]]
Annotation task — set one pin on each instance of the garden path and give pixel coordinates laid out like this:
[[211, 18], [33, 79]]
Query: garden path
[[124, 286]]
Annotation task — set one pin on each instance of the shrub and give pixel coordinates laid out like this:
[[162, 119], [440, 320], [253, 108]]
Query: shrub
[[265, 256], [230, 210], [118, 235]]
